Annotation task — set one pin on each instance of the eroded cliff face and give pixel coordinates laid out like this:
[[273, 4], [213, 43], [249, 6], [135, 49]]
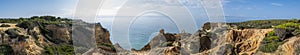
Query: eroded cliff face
[[240, 42], [38, 39], [92, 39], [164, 44], [20, 41], [220, 41], [247, 41], [233, 42]]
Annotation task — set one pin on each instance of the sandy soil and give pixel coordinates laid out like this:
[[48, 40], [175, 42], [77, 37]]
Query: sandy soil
[[12, 25]]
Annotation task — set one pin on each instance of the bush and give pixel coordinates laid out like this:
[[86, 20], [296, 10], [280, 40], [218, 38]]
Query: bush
[[107, 45], [270, 47], [63, 49], [6, 50], [289, 26], [270, 43], [258, 24], [26, 25], [13, 33], [7, 20], [287, 30], [5, 25], [283, 33], [167, 44]]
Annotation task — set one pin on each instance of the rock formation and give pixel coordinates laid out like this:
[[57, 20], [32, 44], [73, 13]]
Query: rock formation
[[38, 38]]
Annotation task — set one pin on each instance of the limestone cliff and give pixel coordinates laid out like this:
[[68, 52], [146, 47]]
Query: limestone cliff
[[234, 42], [20, 41], [240, 42], [46, 38], [43, 38], [248, 40]]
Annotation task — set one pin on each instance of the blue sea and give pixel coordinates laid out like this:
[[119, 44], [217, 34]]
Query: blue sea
[[145, 28]]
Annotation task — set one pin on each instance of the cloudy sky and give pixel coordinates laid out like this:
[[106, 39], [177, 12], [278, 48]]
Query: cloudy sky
[[65, 8]]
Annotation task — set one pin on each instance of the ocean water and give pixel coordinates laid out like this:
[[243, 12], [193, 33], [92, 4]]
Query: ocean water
[[145, 28]]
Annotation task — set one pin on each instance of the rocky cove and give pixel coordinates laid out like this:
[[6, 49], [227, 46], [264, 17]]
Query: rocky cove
[[48, 35]]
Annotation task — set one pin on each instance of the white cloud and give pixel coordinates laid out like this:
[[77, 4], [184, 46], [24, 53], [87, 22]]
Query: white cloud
[[108, 12], [111, 7], [276, 4], [224, 2]]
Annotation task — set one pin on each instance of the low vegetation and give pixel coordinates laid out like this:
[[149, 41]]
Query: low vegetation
[[40, 22], [9, 20], [63, 49], [167, 44], [6, 50], [281, 32], [4, 25], [270, 43], [106, 45], [258, 24], [41, 19], [289, 26]]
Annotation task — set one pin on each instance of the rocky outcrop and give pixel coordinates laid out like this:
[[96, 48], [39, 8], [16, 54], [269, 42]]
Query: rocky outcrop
[[247, 41], [160, 39], [239, 42], [198, 42], [233, 42], [21, 42], [101, 34], [61, 34], [93, 38], [296, 46], [35, 38], [163, 44]]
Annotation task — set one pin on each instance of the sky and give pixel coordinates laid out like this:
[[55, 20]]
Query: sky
[[65, 8], [28, 8], [263, 8]]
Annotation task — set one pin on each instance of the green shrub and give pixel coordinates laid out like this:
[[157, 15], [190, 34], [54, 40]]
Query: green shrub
[[293, 21], [270, 47], [270, 43], [26, 25], [287, 30], [107, 45], [6, 50], [14, 33], [8, 20], [272, 33], [5, 25], [289, 26], [167, 44], [258, 24], [63, 49]]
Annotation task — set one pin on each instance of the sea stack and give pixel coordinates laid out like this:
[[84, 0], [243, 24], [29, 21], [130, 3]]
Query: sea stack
[[162, 31]]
